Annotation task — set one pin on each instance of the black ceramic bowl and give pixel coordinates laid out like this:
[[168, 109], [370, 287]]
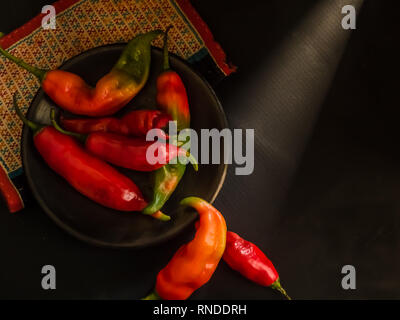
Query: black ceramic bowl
[[93, 223]]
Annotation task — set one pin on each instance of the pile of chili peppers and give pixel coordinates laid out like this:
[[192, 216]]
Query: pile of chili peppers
[[82, 149]]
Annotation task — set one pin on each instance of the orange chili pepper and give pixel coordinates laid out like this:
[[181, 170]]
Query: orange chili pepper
[[112, 92], [195, 262]]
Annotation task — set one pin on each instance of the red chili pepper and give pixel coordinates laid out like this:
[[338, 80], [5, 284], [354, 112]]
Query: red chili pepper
[[112, 92], [135, 123], [90, 176], [171, 93], [130, 153], [246, 258], [9, 192]]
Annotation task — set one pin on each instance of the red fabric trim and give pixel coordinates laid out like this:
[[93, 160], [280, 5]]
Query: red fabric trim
[[33, 24], [214, 47]]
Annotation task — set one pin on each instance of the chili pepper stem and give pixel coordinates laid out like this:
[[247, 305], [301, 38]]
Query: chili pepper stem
[[33, 126], [165, 51], [39, 73], [152, 296], [80, 137], [277, 286]]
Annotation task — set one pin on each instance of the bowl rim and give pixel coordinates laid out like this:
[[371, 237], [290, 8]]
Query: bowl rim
[[87, 239]]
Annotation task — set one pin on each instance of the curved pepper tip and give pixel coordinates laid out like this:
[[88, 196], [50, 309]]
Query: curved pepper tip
[[193, 161], [190, 201], [152, 296], [277, 286], [160, 216]]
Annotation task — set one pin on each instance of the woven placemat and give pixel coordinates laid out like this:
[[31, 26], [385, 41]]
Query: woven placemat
[[85, 24]]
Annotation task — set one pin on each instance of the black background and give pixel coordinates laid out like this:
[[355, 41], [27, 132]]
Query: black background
[[341, 206]]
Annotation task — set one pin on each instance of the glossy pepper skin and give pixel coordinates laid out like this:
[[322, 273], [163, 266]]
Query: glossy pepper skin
[[88, 175], [172, 99], [195, 262], [171, 92], [131, 153], [246, 258], [135, 123], [126, 152], [9, 192], [112, 92]]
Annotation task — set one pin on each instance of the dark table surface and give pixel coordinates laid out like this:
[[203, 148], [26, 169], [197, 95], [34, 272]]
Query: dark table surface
[[327, 198]]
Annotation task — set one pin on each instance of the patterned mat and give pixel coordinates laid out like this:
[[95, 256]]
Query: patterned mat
[[82, 25]]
